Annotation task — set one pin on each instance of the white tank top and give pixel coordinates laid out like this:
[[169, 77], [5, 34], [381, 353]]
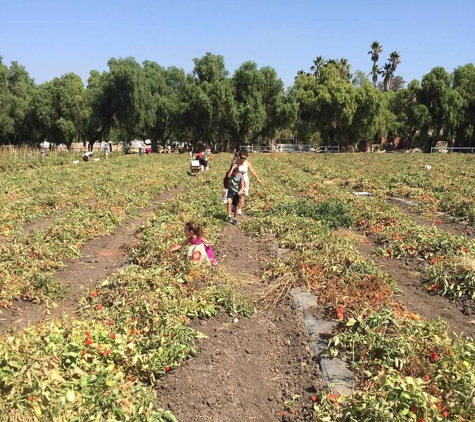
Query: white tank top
[[243, 169]]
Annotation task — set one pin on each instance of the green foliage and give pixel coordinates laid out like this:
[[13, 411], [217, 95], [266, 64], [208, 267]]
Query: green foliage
[[328, 103], [209, 107], [331, 213], [133, 327], [443, 103]]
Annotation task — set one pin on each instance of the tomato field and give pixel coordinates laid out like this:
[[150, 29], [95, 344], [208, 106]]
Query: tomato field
[[102, 361]]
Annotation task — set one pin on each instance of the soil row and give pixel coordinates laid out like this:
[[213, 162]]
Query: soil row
[[101, 257]]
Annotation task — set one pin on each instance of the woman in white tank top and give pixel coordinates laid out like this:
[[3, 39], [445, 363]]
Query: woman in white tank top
[[245, 167]]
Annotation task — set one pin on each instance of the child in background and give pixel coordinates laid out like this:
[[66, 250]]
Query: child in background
[[203, 157], [194, 234], [226, 179], [236, 187]]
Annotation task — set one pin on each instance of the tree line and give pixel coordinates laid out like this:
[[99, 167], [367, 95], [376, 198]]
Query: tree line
[[326, 106]]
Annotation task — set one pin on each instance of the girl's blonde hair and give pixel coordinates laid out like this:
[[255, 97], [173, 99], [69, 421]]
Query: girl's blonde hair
[[194, 228]]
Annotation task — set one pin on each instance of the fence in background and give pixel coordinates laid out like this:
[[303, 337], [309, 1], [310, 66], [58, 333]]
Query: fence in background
[[291, 148]]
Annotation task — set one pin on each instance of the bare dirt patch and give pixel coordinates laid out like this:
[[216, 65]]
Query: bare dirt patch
[[101, 257], [251, 369], [413, 293], [42, 222]]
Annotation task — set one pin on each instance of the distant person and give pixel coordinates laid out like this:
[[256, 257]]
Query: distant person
[[189, 148], [87, 156], [245, 167], [195, 236], [106, 151]]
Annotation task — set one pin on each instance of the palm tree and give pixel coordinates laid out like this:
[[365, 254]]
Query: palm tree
[[387, 74], [300, 73], [318, 63], [376, 50], [394, 59], [375, 71], [344, 68]]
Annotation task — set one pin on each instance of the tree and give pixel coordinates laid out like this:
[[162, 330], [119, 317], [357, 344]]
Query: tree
[[280, 106], [327, 105], [396, 83], [59, 109], [410, 115], [369, 105], [342, 66], [444, 104], [162, 102], [21, 87], [386, 73], [359, 78], [395, 60], [376, 50], [209, 100], [97, 115], [7, 123], [375, 71], [249, 91], [128, 103], [173, 120], [318, 63], [464, 84], [301, 72]]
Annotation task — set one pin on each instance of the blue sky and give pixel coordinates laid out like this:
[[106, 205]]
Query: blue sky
[[53, 37]]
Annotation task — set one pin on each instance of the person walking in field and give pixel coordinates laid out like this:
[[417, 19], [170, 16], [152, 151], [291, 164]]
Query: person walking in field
[[195, 236], [189, 148], [245, 167], [106, 151], [236, 188]]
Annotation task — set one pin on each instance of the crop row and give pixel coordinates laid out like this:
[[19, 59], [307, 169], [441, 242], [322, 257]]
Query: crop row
[[406, 367], [447, 187], [449, 258], [132, 329], [106, 195], [33, 193]]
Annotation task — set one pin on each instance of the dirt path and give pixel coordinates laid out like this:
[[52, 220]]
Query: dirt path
[[247, 368], [441, 221], [101, 257], [43, 222], [412, 290]]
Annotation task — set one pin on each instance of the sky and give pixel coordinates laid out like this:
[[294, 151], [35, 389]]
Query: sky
[[54, 37]]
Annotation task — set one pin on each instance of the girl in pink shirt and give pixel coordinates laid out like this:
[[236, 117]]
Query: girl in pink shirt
[[194, 234]]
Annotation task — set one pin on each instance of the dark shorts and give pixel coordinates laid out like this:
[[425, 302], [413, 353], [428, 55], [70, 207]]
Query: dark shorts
[[234, 196], [203, 163]]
